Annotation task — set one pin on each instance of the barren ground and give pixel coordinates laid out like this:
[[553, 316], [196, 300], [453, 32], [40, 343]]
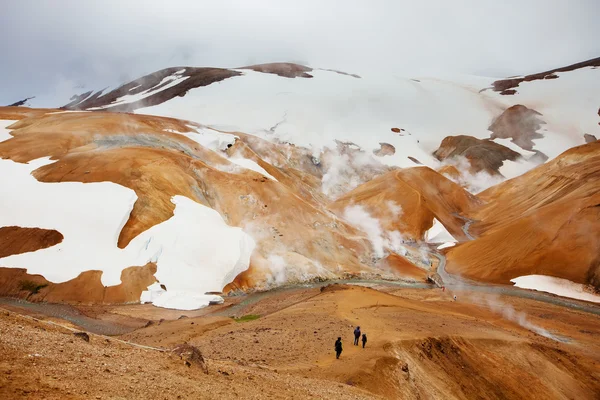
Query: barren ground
[[421, 344]]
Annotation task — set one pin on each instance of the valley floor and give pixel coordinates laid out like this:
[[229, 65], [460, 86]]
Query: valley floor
[[279, 344]]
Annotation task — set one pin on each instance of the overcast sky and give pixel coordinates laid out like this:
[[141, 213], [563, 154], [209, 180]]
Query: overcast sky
[[46, 46]]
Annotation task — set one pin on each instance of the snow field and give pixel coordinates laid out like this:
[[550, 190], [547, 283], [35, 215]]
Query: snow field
[[195, 251], [4, 133], [558, 286]]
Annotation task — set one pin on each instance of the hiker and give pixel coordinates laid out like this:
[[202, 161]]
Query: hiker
[[338, 347], [356, 335], [364, 339]]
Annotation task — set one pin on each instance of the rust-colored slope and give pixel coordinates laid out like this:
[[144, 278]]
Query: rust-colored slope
[[449, 171], [86, 288], [16, 113], [289, 165], [17, 240], [572, 176], [56, 134], [546, 221], [402, 267], [286, 218], [422, 193]]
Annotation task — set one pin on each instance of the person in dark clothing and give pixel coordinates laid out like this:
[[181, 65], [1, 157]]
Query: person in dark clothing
[[364, 339], [356, 335], [338, 347]]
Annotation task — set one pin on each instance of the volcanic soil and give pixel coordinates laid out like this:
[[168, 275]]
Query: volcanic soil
[[279, 344]]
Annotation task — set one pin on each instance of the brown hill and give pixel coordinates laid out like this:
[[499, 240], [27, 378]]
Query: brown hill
[[546, 222], [287, 218], [17, 240], [482, 154], [518, 123], [423, 194]]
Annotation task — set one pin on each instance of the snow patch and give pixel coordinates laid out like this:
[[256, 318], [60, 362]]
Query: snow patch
[[195, 251], [89, 216], [209, 138], [558, 286], [514, 147], [512, 169], [438, 233], [5, 133], [251, 165], [568, 104], [314, 113]]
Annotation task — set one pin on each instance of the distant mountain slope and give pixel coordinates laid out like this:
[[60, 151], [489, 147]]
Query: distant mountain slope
[[150, 90], [545, 222], [276, 102], [131, 190], [506, 86], [289, 174]]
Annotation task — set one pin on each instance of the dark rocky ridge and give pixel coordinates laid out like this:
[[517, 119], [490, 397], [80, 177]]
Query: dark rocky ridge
[[506, 86]]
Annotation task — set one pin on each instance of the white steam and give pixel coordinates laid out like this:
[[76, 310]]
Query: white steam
[[360, 218], [380, 239], [472, 182], [345, 171], [277, 275], [509, 313], [395, 209]]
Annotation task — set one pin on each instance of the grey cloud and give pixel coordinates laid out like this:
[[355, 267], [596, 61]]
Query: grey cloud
[[47, 44]]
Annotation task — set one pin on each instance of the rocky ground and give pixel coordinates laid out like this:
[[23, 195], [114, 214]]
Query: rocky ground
[[421, 344]]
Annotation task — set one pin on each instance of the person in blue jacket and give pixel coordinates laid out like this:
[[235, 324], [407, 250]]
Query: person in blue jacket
[[356, 335]]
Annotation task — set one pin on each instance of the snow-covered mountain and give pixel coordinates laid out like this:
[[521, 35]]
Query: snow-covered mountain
[[190, 181]]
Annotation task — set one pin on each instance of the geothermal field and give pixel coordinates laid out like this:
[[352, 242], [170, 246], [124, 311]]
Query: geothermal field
[[210, 232]]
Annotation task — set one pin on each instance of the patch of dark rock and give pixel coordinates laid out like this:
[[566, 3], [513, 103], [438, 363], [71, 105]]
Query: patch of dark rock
[[589, 138], [415, 160], [21, 102], [518, 123], [385, 149], [83, 336], [341, 72], [197, 77], [483, 155], [505, 84], [285, 70], [191, 356]]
